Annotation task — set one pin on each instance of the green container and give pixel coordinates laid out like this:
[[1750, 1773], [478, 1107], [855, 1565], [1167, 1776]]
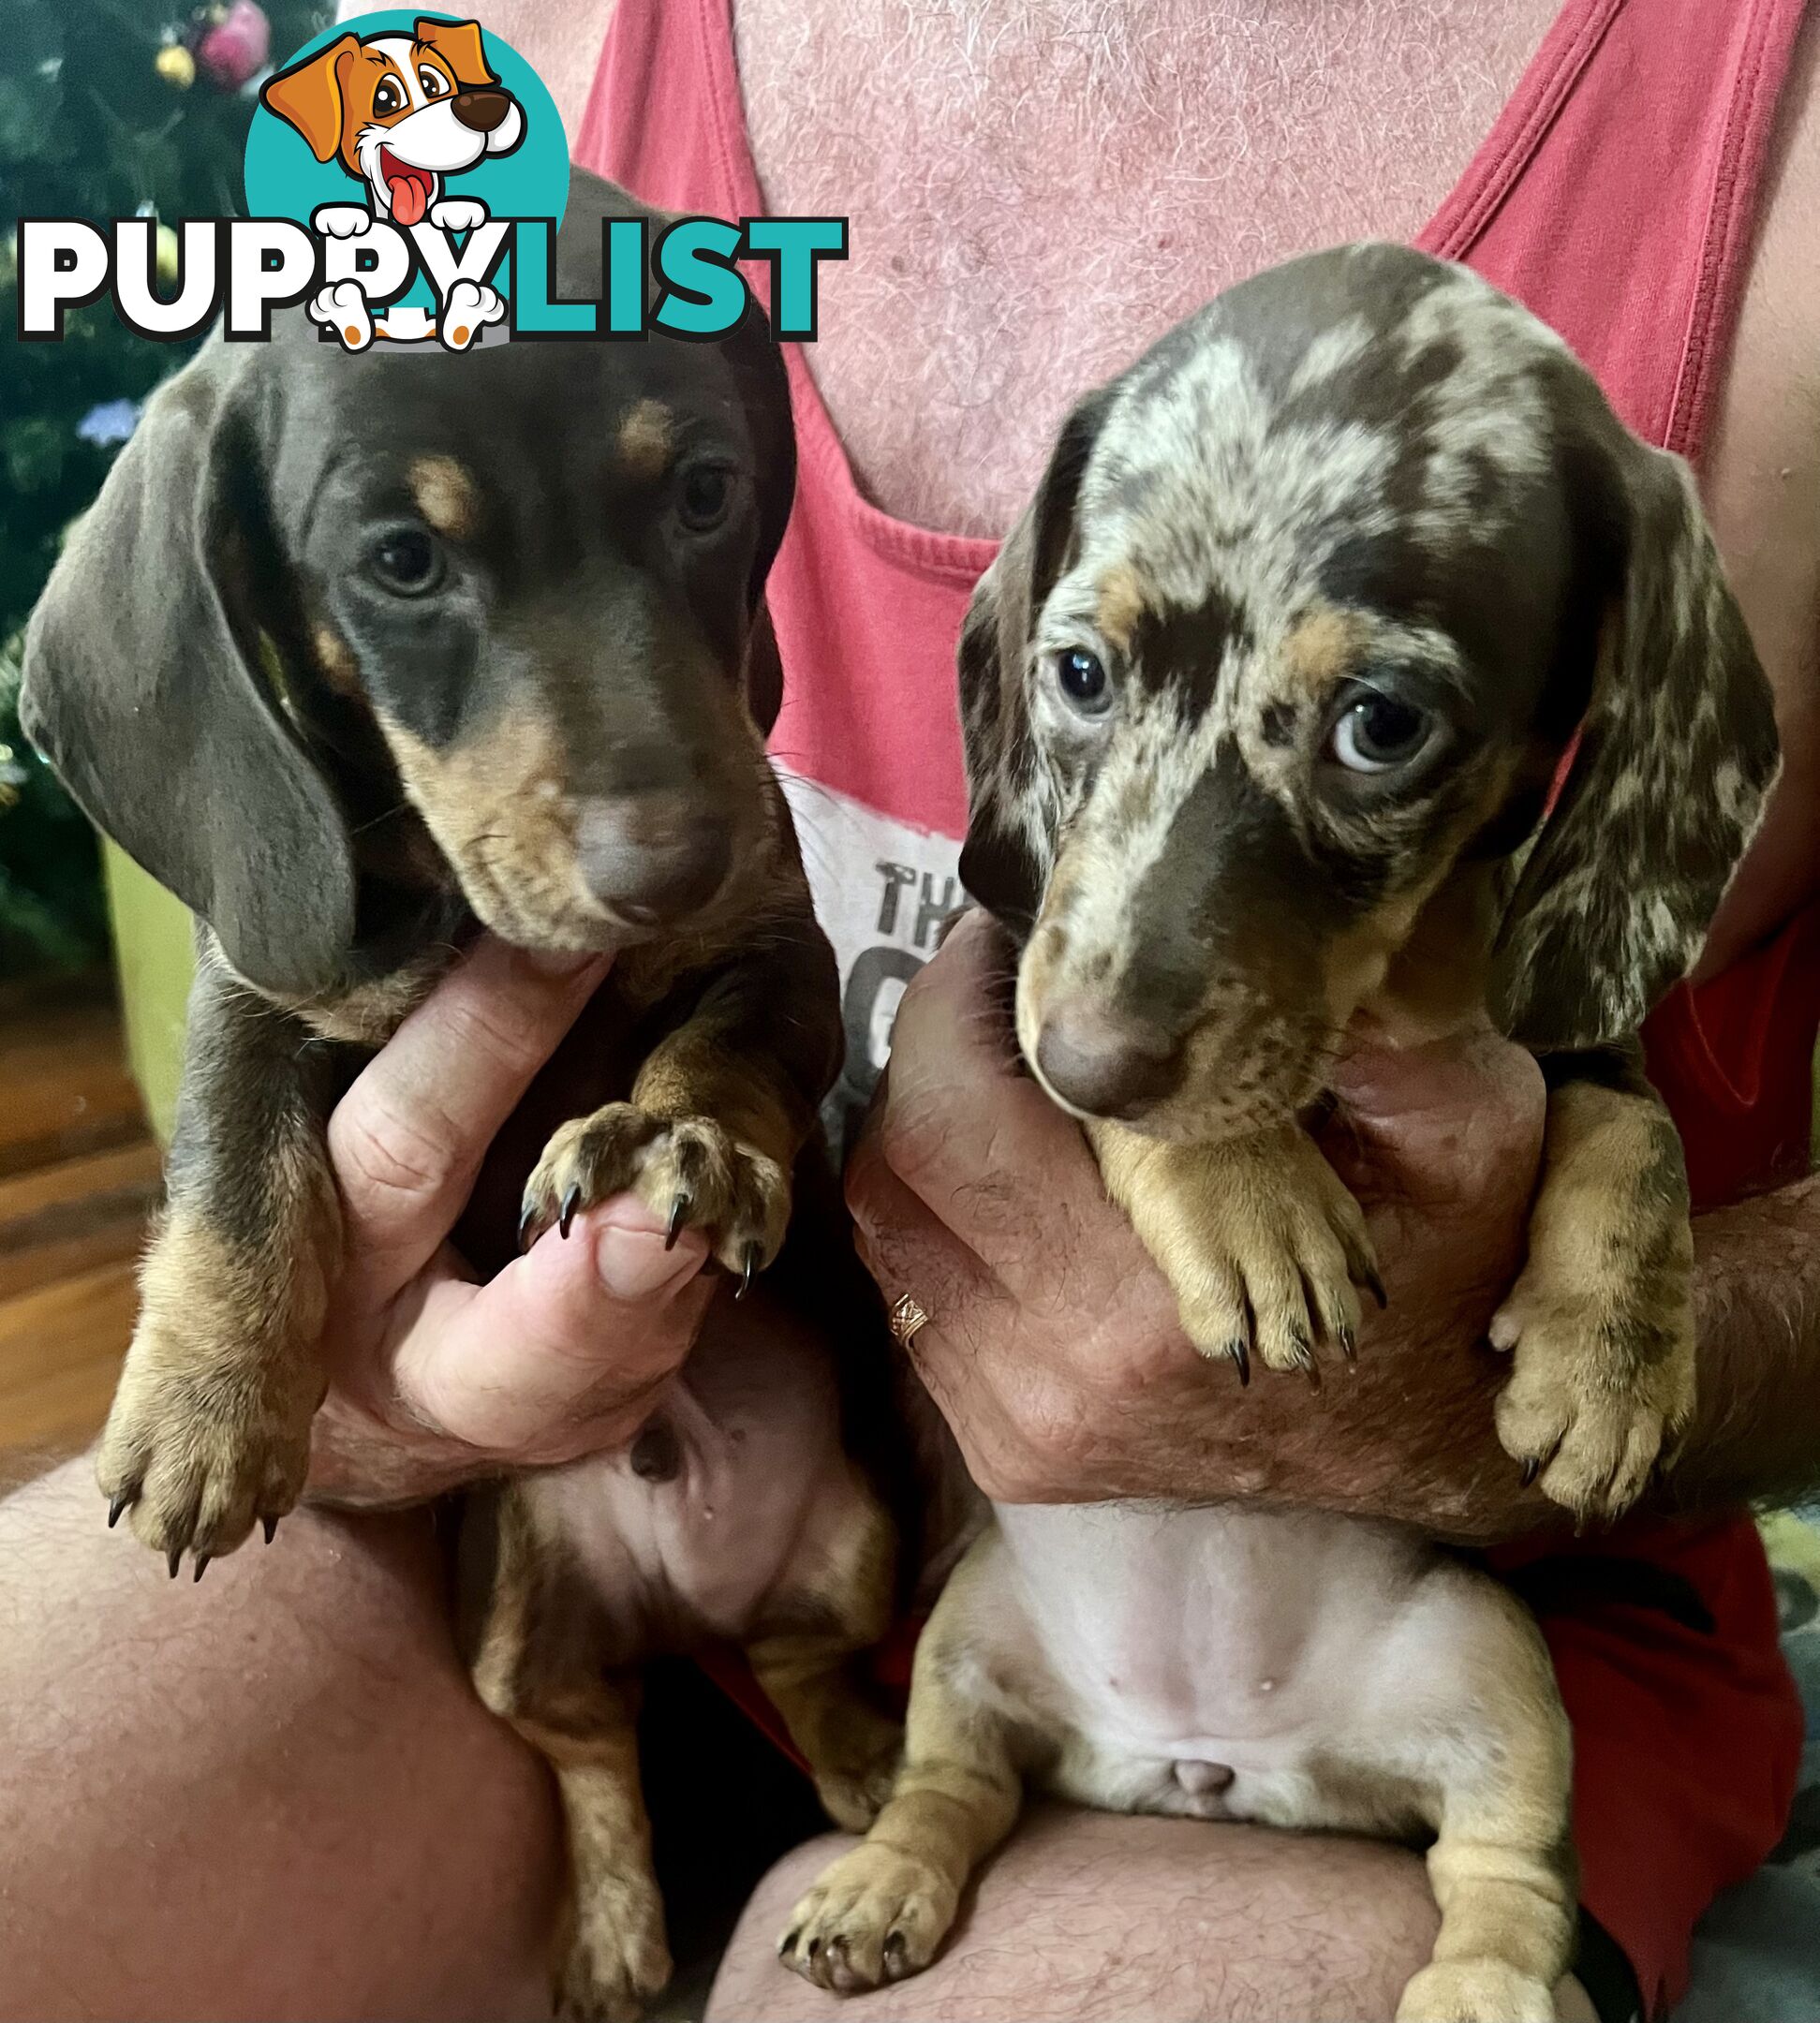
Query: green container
[[156, 957]]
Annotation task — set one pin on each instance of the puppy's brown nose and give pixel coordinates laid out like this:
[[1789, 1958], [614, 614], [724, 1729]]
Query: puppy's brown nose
[[1105, 1061], [652, 858], [480, 108]]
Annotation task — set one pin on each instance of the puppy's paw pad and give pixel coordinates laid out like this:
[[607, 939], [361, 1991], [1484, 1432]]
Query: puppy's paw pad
[[875, 1916], [1476, 1991], [1591, 1403], [689, 1171], [612, 1969], [470, 307], [197, 1456], [343, 309]]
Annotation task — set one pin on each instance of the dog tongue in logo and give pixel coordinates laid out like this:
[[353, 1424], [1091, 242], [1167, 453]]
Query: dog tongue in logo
[[409, 188]]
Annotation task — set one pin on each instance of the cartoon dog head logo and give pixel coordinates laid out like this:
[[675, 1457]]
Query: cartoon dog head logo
[[401, 113]]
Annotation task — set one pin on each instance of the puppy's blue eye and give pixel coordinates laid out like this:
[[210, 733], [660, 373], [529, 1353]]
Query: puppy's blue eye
[[408, 563], [1082, 679], [1377, 731]]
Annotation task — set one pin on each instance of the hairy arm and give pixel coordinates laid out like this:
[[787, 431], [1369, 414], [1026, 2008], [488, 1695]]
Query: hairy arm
[[1054, 1352], [1756, 1431]]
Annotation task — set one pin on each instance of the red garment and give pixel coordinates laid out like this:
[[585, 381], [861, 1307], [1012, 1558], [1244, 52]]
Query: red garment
[[1615, 196]]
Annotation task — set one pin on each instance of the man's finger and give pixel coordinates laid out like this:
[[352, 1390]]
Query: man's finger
[[408, 1138], [960, 1111], [562, 1351]]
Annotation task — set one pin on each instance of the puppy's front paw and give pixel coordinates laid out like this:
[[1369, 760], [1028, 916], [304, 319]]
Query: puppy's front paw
[[875, 1916], [690, 1171], [200, 1445], [1603, 1374], [1476, 1991], [341, 221], [1261, 1242], [616, 1958], [458, 213]]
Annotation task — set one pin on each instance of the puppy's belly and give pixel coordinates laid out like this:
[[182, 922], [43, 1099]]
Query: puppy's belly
[[728, 1495], [1233, 1662]]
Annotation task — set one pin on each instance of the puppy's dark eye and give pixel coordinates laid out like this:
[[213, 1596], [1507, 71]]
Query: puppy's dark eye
[[387, 98], [1377, 731], [1083, 680], [704, 496], [432, 81], [409, 562]]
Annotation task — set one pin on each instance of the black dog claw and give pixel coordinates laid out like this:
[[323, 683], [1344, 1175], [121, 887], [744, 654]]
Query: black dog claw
[[1375, 1285], [1532, 1468], [678, 1209], [201, 1566], [566, 1215], [749, 1271], [270, 1526], [120, 1503], [174, 1559], [1241, 1357], [526, 1222], [1349, 1345]]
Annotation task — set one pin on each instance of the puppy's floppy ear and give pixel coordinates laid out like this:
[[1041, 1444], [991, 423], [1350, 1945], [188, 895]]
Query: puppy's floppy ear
[[308, 96], [765, 673], [1005, 859], [1678, 748], [461, 46], [145, 683], [764, 381]]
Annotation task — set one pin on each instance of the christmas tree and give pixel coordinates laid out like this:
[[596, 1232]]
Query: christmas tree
[[108, 109]]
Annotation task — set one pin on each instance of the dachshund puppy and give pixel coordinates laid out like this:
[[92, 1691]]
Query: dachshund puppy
[[1353, 666], [353, 653]]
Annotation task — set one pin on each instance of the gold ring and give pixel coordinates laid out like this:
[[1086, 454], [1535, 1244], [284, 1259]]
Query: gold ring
[[907, 1317]]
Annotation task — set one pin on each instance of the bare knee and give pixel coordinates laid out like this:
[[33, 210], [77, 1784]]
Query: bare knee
[[273, 1793], [1090, 1916]]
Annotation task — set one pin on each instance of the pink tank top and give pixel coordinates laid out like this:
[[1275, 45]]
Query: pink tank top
[[1615, 197]]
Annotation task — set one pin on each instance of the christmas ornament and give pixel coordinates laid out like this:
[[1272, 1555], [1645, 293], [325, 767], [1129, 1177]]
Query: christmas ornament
[[175, 66], [235, 46]]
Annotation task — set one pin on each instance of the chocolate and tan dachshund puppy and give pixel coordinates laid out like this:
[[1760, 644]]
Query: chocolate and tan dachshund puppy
[[358, 654], [1267, 699]]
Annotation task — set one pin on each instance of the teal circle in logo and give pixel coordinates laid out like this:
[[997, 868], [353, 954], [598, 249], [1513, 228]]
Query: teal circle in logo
[[283, 179]]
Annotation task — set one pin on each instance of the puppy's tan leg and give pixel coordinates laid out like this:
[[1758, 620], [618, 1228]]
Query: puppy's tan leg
[[803, 1655], [1602, 1318], [880, 1912], [1261, 1242], [1502, 1862], [719, 1112], [209, 1426], [537, 1660]]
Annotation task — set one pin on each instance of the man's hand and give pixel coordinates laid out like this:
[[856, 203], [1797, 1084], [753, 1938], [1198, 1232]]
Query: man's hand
[[437, 1380], [1053, 1346]]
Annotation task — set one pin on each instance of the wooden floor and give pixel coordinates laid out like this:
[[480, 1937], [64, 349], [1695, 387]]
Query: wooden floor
[[79, 1175]]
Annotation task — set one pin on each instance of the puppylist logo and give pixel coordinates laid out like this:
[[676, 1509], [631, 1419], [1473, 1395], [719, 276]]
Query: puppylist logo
[[406, 175]]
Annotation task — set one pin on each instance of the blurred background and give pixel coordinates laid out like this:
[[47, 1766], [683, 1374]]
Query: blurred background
[[108, 109]]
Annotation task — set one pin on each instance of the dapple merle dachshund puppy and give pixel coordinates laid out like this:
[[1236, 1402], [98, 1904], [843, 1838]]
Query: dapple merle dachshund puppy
[[1267, 700], [353, 653]]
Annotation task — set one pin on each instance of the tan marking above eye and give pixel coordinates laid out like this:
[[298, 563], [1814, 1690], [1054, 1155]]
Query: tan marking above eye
[[1320, 649], [643, 441], [336, 660], [1122, 603], [446, 497]]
